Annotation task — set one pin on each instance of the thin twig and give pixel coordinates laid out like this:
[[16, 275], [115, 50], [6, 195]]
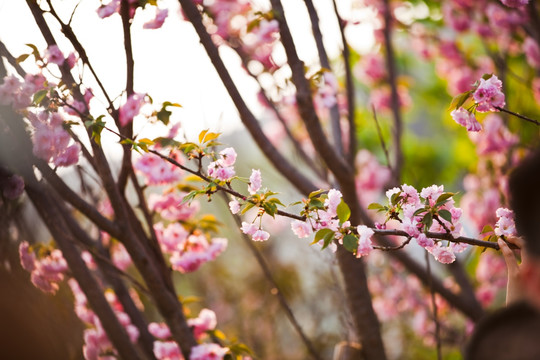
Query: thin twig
[[381, 138], [536, 122]]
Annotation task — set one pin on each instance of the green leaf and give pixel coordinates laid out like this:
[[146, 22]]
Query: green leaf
[[275, 201], [427, 220], [248, 206], [270, 208], [459, 100], [315, 193], [39, 96], [419, 211], [343, 212], [487, 76], [321, 234], [350, 242], [446, 215], [327, 240], [163, 115], [21, 58], [316, 204], [375, 206], [191, 195], [396, 198], [443, 198], [486, 229], [166, 142]]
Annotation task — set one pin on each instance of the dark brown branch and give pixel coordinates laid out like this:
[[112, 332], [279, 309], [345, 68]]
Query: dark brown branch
[[127, 130], [112, 273], [350, 88], [332, 159], [523, 117], [77, 202], [4, 52], [63, 237], [300, 181], [70, 35], [325, 63], [295, 142], [394, 99]]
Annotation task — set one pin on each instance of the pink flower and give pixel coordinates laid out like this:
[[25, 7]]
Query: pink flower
[[488, 95], [167, 350], [217, 246], [208, 352], [424, 241], [260, 235], [496, 138], [54, 55], [532, 52], [444, 255], [228, 157], [204, 322], [68, 157], [364, 240], [157, 171], [131, 108], [515, 3], [371, 68], [157, 22], [216, 170], [161, 330], [467, 119], [27, 257], [332, 201], [234, 205], [109, 9], [505, 225], [188, 261], [255, 181], [301, 229], [249, 229]]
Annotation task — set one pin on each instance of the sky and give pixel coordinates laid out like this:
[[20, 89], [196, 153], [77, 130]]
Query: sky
[[170, 63]]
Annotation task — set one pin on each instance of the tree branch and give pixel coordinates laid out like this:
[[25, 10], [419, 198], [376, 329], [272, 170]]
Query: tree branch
[[304, 100], [325, 63], [353, 143], [301, 182], [392, 79]]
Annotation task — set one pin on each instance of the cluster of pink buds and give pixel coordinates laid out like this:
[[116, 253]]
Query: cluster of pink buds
[[47, 271]]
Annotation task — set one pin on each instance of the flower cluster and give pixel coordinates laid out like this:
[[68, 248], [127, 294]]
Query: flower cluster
[[431, 210], [47, 271], [96, 341], [166, 349], [51, 141], [222, 169], [487, 96], [505, 226]]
